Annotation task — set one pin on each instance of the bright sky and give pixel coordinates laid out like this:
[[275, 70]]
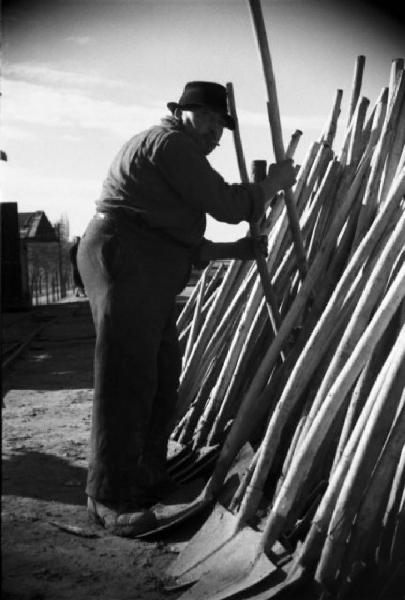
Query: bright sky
[[80, 77]]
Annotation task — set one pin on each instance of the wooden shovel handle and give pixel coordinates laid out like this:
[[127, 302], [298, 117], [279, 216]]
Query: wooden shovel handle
[[275, 126], [268, 291], [261, 262]]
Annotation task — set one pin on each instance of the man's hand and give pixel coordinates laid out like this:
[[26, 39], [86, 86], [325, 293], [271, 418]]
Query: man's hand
[[244, 249], [283, 174], [280, 176], [262, 243]]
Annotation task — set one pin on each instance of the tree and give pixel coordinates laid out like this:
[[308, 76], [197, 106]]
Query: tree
[[62, 228]]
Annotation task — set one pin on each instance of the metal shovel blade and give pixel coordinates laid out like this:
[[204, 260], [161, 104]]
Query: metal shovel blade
[[192, 498], [191, 563], [174, 449], [198, 463], [216, 531], [185, 463], [184, 503], [284, 583], [176, 454], [239, 565]]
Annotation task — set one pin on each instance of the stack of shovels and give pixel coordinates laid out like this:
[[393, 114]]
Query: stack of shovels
[[291, 422]]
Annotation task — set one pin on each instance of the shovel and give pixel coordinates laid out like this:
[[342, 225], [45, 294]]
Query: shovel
[[243, 567], [275, 125], [209, 562], [246, 413], [254, 227], [201, 553], [189, 565], [192, 498], [190, 464], [186, 462], [219, 539]]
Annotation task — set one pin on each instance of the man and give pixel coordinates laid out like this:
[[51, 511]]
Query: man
[[135, 257], [77, 280]]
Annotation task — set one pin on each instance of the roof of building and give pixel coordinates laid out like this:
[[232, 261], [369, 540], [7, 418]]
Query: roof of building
[[35, 226]]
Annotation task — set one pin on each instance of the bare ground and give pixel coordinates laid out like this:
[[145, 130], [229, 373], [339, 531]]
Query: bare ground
[[50, 550]]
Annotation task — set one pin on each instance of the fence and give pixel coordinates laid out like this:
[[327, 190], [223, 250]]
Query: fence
[[46, 288]]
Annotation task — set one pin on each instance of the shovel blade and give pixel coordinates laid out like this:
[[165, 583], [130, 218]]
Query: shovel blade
[[177, 462], [287, 583], [217, 530], [191, 562], [174, 450], [191, 499], [199, 463], [236, 567], [184, 503]]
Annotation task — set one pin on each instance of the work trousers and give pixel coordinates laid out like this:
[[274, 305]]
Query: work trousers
[[131, 277]]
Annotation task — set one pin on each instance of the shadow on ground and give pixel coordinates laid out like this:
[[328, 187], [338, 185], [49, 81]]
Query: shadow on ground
[[43, 476], [60, 356]]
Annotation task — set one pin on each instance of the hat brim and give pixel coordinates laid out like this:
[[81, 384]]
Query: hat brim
[[229, 121]]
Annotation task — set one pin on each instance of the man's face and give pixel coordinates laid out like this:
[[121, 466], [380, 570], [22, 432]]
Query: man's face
[[205, 126]]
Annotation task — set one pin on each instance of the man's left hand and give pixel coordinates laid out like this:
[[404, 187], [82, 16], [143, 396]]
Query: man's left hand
[[244, 249]]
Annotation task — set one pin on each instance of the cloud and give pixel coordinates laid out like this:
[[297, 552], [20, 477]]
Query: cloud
[[46, 75], [16, 133], [289, 122], [27, 105], [38, 95]]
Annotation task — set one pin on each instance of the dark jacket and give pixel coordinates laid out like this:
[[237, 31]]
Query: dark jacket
[[162, 176]]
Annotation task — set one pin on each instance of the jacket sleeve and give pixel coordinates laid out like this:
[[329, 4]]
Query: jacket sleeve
[[189, 173]]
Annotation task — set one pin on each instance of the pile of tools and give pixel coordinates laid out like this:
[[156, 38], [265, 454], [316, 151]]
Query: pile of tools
[[293, 380]]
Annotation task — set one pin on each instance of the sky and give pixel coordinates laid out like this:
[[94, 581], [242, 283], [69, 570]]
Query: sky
[[79, 77]]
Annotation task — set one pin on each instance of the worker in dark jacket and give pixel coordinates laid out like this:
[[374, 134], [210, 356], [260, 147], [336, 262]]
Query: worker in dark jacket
[[135, 258]]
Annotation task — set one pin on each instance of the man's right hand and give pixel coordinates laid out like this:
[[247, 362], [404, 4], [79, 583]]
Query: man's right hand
[[282, 174]]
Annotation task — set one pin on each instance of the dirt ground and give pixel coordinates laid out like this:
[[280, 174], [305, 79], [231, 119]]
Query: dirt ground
[[50, 550]]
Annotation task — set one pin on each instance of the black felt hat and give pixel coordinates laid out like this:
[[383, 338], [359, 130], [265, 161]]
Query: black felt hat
[[204, 93]]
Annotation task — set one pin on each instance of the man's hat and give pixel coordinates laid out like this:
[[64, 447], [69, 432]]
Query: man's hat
[[204, 93]]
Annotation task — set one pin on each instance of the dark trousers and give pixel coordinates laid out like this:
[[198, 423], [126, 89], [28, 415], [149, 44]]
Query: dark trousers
[[131, 279]]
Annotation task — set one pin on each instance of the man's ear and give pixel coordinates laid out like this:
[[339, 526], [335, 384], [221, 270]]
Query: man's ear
[[178, 112]]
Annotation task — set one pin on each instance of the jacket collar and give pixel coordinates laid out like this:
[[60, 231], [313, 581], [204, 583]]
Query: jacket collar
[[172, 123]]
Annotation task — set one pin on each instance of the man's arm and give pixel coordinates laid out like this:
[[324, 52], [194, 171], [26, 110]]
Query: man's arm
[[189, 173], [242, 249]]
